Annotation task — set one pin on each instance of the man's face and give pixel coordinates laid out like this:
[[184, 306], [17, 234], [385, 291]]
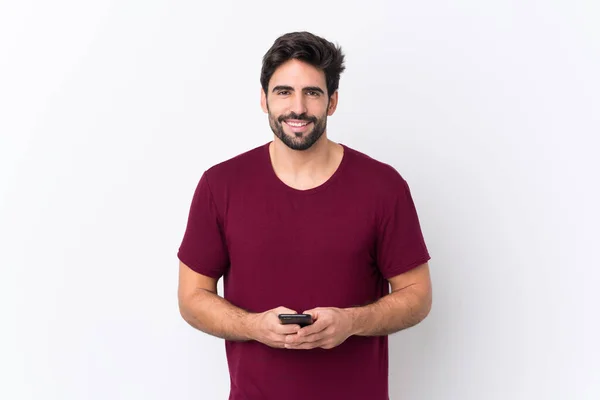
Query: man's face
[[298, 104]]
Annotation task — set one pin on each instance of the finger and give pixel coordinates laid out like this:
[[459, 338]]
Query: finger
[[314, 312], [284, 310], [287, 329], [315, 327], [281, 310], [305, 346], [311, 338], [296, 340], [278, 341], [281, 344]]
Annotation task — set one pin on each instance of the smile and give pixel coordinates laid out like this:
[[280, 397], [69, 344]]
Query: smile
[[297, 124]]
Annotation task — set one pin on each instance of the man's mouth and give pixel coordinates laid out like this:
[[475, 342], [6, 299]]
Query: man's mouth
[[296, 123], [298, 126]]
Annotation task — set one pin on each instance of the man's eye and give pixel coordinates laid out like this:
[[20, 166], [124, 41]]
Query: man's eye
[[283, 92], [312, 93]]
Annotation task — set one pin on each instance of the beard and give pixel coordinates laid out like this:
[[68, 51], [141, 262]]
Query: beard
[[301, 140]]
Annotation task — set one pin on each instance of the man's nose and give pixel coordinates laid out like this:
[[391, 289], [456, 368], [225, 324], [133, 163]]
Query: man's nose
[[298, 104]]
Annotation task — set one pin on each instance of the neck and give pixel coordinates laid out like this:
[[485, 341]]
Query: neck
[[300, 162], [305, 168]]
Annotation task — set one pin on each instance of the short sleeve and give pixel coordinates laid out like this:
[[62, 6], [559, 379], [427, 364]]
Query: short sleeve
[[400, 243], [203, 246]]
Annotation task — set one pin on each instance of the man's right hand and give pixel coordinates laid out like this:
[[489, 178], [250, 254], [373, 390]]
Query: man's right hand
[[266, 327]]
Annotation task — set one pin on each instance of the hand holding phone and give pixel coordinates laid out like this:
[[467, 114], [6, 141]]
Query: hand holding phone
[[299, 319], [268, 329]]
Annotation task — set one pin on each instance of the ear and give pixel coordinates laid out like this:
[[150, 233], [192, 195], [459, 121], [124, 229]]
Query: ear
[[263, 100], [333, 102]]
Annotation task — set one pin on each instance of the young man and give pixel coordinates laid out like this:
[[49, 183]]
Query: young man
[[304, 225]]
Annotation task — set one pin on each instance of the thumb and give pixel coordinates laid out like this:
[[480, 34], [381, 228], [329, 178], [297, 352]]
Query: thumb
[[314, 312], [285, 310]]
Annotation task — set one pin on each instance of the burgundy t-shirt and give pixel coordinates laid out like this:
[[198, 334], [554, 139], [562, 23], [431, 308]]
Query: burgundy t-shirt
[[331, 246]]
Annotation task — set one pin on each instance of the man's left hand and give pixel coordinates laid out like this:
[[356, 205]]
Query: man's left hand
[[331, 327]]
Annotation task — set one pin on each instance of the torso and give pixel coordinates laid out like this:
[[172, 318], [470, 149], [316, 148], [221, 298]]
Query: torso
[[307, 245]]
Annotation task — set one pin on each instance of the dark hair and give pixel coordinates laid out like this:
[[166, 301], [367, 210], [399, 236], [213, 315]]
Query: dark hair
[[304, 46]]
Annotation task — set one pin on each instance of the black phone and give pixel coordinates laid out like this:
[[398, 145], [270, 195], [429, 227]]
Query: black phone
[[300, 319]]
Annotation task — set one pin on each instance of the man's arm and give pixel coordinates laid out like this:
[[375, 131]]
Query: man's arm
[[407, 305], [201, 307]]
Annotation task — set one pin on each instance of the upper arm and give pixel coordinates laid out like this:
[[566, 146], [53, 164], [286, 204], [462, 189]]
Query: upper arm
[[400, 243], [417, 278], [191, 281], [203, 248]]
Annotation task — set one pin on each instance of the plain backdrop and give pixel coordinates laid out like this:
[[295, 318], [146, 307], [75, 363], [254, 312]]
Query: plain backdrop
[[111, 110]]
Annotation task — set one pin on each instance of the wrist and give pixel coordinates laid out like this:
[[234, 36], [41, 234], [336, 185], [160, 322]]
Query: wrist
[[353, 318], [249, 326]]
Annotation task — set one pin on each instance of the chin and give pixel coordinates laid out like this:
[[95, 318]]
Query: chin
[[299, 146], [301, 142], [304, 144]]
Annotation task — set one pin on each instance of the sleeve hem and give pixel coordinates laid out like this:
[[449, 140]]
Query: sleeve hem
[[406, 268], [197, 269]]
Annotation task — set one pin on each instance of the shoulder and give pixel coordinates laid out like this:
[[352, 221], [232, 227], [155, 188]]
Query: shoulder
[[235, 168], [377, 175]]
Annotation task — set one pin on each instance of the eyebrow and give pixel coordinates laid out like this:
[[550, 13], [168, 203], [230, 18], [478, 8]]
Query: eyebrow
[[291, 89]]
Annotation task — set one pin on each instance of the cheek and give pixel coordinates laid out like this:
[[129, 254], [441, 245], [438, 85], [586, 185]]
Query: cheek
[[319, 110], [276, 108], [274, 117]]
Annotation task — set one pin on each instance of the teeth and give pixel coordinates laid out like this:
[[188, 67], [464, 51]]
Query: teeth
[[297, 124]]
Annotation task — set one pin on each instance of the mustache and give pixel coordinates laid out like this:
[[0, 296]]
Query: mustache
[[301, 117]]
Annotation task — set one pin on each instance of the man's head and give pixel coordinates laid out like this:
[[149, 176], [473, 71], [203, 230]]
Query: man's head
[[299, 78]]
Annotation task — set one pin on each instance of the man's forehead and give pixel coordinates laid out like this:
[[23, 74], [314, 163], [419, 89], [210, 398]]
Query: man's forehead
[[297, 73]]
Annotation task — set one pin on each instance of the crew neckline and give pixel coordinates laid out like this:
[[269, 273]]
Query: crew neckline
[[316, 189]]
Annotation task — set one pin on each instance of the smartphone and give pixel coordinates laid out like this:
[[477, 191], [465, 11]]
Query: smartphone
[[300, 319]]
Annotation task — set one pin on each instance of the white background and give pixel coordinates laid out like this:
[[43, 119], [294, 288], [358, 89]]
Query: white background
[[110, 112]]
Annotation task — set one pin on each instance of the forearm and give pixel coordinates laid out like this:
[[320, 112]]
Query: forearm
[[394, 312], [212, 314]]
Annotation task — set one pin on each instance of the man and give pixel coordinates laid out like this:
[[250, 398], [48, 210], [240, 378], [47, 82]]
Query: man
[[304, 225]]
